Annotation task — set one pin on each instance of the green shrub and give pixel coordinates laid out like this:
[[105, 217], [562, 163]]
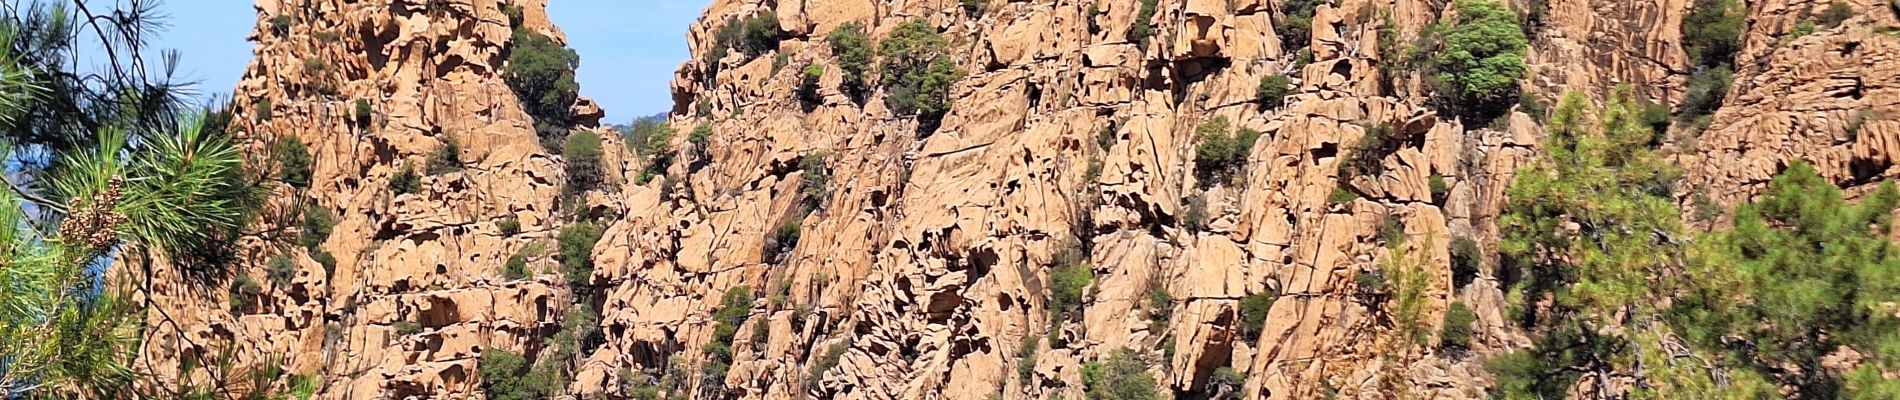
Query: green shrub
[[1296, 29], [1706, 91], [293, 162], [326, 260], [405, 180], [1367, 157], [1836, 13], [318, 222], [1392, 229], [244, 293], [506, 376], [446, 158], [783, 240], [1195, 215], [280, 25], [823, 364], [406, 328], [1026, 359], [1221, 156], [576, 250], [1273, 91], [1068, 283], [808, 83], [1369, 282], [364, 115], [1123, 377], [541, 73], [1656, 117], [1160, 307], [1144, 23], [262, 110], [1482, 59], [752, 35], [918, 72], [975, 7], [1457, 333], [280, 270], [1801, 29], [815, 184], [650, 139], [1224, 384], [1529, 104], [1712, 32], [1341, 196], [1253, 314], [509, 227], [303, 387], [315, 65], [1441, 190], [734, 307], [853, 50], [584, 172], [516, 268], [1466, 261]]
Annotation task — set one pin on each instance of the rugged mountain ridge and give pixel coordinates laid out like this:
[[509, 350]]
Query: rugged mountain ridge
[[811, 241]]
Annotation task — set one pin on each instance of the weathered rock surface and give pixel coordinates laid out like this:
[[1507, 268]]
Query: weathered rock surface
[[925, 269]]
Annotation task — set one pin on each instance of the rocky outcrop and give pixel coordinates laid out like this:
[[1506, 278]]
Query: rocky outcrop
[[415, 295], [889, 261], [1829, 97]]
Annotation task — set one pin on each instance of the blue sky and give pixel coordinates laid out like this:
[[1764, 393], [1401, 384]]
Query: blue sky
[[629, 48]]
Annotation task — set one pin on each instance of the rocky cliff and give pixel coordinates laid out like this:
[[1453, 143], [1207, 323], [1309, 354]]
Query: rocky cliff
[[876, 255]]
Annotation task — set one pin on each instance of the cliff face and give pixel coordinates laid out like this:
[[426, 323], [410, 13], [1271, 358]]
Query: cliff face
[[415, 294], [924, 259]]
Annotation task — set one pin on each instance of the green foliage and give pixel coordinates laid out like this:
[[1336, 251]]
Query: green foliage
[[318, 222], [315, 65], [1221, 156], [1341, 196], [1068, 283], [1123, 377], [1026, 358], [1370, 282], [853, 50], [280, 25], [783, 240], [1441, 190], [808, 82], [1458, 326], [1712, 32], [649, 140], [446, 158], [1587, 232], [584, 172], [261, 110], [507, 376], [1144, 26], [1801, 275], [303, 387], [293, 162], [1800, 30], [1273, 91], [1160, 303], [244, 293], [1224, 384], [406, 328], [975, 7], [576, 251], [918, 72], [1253, 314], [280, 270], [1194, 216], [509, 226], [1482, 58], [825, 363], [815, 184], [1836, 13], [541, 72], [1367, 156], [1466, 260], [751, 36], [364, 115], [516, 267], [1296, 25], [1106, 139], [1707, 88], [405, 181], [734, 307]]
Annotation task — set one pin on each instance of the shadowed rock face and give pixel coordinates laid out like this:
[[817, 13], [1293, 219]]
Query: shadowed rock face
[[928, 262]]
